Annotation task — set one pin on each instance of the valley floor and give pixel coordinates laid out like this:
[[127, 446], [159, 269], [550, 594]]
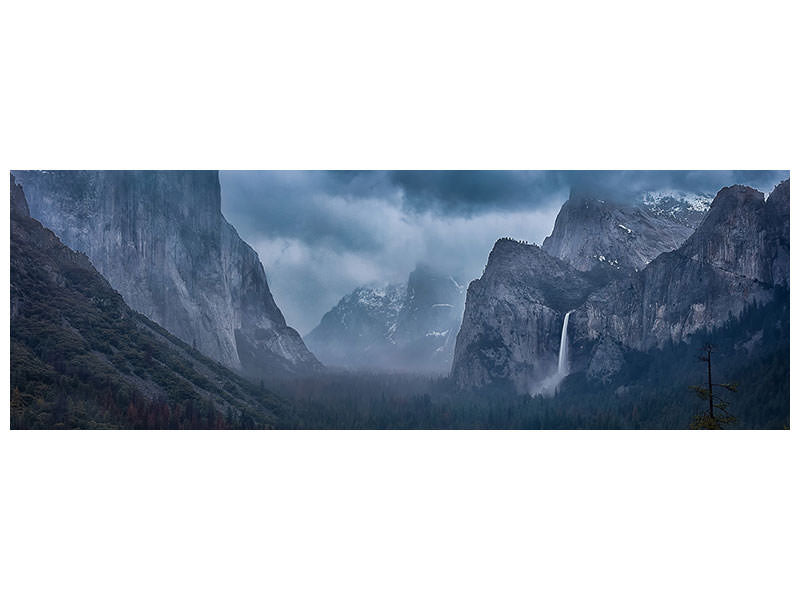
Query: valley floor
[[380, 401]]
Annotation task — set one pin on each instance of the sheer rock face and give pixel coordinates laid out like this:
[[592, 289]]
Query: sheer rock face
[[593, 231], [432, 308], [745, 235], [19, 206], [669, 300], [68, 324], [736, 257], [513, 317], [160, 239], [778, 228], [512, 321], [399, 327]]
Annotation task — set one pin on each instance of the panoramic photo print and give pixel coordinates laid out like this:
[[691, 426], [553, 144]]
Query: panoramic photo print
[[399, 299]]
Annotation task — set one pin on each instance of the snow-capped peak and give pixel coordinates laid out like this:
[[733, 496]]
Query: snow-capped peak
[[685, 207], [690, 200]]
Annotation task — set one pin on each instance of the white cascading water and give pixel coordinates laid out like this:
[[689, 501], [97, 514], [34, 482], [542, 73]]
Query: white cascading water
[[549, 385], [563, 351]]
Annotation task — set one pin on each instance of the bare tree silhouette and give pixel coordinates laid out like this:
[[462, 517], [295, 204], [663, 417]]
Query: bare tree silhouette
[[707, 419]]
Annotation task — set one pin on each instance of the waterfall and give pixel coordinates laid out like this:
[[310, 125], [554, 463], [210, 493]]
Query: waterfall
[[549, 385], [563, 351]]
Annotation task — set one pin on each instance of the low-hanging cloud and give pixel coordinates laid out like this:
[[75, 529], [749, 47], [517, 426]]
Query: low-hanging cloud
[[320, 234]]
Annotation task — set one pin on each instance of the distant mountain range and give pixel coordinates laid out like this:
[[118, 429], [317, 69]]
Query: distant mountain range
[[398, 327]]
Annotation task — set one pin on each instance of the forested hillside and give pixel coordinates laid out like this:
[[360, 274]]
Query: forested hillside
[[83, 359], [652, 392]]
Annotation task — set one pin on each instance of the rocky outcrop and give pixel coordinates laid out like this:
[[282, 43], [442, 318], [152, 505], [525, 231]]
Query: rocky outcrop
[[432, 307], [745, 235], [668, 301], [739, 255], [735, 258], [81, 358], [514, 315], [19, 206], [160, 239], [607, 360], [399, 327], [595, 231], [778, 231]]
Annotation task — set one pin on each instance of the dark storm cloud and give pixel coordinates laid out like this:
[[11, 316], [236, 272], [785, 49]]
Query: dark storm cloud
[[477, 191], [299, 204], [469, 192], [322, 233], [628, 185], [456, 192]]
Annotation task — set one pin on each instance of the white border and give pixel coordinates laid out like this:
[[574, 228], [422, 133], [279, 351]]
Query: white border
[[398, 514]]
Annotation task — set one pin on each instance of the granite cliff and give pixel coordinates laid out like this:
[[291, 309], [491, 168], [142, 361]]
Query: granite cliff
[[161, 241], [514, 314], [596, 231], [664, 290], [81, 358], [398, 327], [737, 257]]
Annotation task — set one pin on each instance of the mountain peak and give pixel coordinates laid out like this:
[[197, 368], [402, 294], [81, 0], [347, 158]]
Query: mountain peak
[[507, 244], [744, 234], [594, 194], [687, 208], [778, 206], [19, 206], [595, 231], [740, 194], [395, 327]]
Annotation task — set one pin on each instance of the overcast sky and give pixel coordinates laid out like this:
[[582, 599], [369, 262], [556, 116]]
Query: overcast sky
[[320, 234]]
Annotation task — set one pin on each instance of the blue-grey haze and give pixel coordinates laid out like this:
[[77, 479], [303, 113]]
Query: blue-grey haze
[[320, 234]]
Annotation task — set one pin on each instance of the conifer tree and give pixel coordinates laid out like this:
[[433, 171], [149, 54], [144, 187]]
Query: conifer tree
[[708, 419]]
